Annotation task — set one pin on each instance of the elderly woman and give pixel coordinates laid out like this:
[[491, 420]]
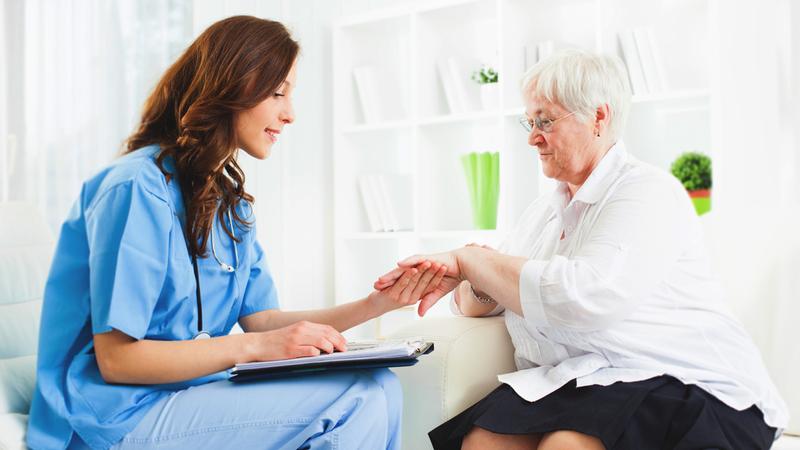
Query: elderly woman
[[622, 339]]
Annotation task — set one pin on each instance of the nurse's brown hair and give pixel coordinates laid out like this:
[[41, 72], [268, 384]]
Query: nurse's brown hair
[[232, 66]]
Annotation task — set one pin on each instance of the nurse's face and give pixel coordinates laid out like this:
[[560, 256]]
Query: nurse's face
[[257, 128]]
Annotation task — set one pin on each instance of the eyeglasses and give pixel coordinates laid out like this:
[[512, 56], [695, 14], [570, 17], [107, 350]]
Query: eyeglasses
[[544, 125]]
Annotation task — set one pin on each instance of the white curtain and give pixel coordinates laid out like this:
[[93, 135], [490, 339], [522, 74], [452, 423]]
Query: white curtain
[[4, 152], [88, 66]]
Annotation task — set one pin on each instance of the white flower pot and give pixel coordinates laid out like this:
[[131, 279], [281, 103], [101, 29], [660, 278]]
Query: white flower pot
[[490, 96]]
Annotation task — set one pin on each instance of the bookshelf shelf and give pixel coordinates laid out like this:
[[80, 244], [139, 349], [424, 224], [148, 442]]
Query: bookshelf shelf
[[370, 235], [387, 125], [455, 118], [483, 235], [671, 95], [422, 129]]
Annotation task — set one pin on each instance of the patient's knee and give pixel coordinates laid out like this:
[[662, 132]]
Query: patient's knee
[[569, 440], [482, 439]]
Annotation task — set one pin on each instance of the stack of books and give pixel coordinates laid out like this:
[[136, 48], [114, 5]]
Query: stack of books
[[388, 201], [366, 78], [537, 51], [460, 91], [643, 61]]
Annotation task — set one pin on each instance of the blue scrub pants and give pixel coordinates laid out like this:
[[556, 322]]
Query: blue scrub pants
[[345, 410]]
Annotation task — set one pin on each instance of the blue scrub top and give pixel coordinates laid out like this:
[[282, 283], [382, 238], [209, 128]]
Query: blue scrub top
[[122, 263]]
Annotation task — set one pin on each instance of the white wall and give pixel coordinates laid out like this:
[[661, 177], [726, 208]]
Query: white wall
[[753, 228]]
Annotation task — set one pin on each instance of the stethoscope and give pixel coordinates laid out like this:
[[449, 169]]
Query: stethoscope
[[201, 333]]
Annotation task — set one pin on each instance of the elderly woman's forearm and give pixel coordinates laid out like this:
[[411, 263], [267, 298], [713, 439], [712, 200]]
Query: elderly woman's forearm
[[494, 273]]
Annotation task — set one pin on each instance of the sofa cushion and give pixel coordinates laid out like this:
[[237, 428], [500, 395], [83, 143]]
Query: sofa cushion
[[19, 328], [26, 247], [17, 377]]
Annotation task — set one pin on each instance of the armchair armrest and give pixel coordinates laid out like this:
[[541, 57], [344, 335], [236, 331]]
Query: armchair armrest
[[469, 353]]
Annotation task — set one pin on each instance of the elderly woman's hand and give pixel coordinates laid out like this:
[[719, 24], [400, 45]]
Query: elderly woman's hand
[[447, 283]]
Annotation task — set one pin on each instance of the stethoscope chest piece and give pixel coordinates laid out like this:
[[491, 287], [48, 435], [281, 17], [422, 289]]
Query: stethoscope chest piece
[[202, 335]]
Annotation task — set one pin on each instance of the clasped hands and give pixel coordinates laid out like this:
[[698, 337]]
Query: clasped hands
[[423, 278]]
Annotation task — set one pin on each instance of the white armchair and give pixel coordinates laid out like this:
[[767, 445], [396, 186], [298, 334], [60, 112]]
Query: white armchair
[[468, 355]]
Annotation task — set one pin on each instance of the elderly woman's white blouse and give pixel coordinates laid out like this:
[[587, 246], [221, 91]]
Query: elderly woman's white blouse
[[627, 294]]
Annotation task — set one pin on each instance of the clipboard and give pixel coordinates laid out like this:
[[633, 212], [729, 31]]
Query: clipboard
[[299, 368]]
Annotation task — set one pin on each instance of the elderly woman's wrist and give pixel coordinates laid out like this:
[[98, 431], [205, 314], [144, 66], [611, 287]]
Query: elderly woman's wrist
[[464, 257]]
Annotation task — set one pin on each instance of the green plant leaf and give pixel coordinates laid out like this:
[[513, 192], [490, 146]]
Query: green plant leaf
[[485, 75], [693, 169]]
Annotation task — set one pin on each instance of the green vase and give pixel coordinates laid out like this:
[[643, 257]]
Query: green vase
[[482, 172]]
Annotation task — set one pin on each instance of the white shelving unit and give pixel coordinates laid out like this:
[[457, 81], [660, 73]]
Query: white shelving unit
[[415, 133]]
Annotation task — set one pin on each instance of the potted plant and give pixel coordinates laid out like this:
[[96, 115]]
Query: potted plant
[[694, 172], [487, 78]]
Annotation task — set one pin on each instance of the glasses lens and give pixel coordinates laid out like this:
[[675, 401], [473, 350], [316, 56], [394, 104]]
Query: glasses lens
[[526, 124], [546, 125]]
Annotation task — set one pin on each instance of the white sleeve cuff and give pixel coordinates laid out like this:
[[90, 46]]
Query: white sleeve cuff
[[498, 309], [454, 306], [530, 292]]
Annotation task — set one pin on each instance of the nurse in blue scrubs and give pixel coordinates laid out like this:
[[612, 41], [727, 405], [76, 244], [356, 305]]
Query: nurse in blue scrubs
[[158, 260]]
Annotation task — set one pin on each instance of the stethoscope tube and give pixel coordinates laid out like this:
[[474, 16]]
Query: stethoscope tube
[[201, 333]]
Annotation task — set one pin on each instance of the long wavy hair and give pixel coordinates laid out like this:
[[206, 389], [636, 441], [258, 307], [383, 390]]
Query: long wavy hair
[[231, 67]]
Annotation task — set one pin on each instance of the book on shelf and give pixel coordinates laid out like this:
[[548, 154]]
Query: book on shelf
[[530, 56], [643, 60], [383, 202], [388, 201], [391, 216], [365, 78], [539, 50], [650, 59], [544, 49], [448, 87], [633, 62], [459, 90], [370, 204], [399, 191]]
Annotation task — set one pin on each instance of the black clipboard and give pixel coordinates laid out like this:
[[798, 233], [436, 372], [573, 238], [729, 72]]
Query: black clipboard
[[245, 375]]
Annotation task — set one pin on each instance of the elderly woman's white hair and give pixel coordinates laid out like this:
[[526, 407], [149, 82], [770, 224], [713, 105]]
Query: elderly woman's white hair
[[581, 81]]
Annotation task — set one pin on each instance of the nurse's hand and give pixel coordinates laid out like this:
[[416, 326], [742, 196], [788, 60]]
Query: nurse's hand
[[412, 284], [451, 278], [297, 340]]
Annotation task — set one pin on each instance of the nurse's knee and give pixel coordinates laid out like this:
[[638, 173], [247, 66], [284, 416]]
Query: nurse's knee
[[391, 387], [373, 403]]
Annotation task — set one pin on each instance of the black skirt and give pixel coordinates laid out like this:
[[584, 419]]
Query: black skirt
[[659, 413]]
